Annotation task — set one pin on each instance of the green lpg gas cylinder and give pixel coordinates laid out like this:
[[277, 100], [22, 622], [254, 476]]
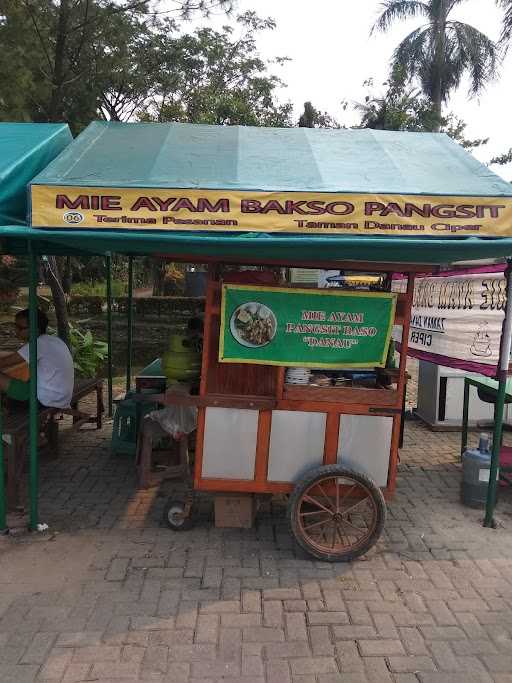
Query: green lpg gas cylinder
[[182, 362]]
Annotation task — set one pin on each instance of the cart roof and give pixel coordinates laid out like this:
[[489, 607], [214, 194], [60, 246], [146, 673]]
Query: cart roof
[[185, 160], [25, 149], [179, 155]]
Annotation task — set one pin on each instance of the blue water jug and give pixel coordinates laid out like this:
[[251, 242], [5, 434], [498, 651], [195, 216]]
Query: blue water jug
[[476, 466]]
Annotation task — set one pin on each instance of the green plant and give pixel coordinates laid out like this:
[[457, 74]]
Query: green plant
[[98, 288], [13, 275], [88, 353]]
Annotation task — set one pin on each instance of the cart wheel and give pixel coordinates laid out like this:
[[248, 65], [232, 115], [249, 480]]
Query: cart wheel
[[175, 516], [336, 514]]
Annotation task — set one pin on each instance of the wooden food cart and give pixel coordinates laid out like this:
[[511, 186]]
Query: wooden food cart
[[363, 201], [333, 448]]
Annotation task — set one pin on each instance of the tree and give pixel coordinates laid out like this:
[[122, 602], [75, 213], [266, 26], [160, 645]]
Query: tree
[[215, 77], [75, 60], [63, 51], [502, 159], [506, 30], [53, 279], [401, 107], [312, 118], [441, 51]]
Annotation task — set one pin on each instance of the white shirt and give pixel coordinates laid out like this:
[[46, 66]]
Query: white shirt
[[55, 371]]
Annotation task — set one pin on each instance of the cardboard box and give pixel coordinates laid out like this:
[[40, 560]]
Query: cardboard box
[[233, 510]]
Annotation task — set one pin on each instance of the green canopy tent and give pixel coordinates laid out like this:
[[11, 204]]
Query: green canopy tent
[[260, 195], [25, 150], [177, 160]]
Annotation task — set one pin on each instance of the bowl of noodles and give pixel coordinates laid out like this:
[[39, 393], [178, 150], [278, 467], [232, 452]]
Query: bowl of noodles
[[253, 324]]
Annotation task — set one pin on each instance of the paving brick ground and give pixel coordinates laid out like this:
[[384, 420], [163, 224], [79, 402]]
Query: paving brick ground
[[111, 596]]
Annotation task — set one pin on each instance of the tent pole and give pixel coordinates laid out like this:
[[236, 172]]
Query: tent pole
[[33, 406], [108, 267], [506, 337], [3, 520], [130, 325]]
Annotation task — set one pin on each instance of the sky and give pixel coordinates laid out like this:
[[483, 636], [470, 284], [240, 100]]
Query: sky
[[332, 53]]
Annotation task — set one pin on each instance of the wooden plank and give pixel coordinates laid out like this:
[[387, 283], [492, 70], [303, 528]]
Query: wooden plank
[[367, 266], [242, 486], [245, 486], [198, 462], [340, 408], [262, 446], [210, 294], [245, 402], [401, 309], [402, 381], [393, 454], [281, 372], [370, 397], [332, 429]]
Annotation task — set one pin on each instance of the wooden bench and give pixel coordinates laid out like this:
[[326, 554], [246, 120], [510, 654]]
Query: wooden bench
[[16, 432]]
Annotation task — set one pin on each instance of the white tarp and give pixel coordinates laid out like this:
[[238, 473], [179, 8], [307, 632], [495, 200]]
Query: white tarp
[[456, 319]]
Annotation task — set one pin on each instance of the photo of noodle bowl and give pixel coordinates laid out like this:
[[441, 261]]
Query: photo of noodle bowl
[[253, 324]]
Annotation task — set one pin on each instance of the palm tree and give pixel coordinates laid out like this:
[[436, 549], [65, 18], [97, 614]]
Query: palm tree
[[506, 31], [440, 51]]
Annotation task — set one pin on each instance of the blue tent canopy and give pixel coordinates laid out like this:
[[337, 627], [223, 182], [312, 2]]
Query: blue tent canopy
[[180, 155], [128, 174], [25, 149]]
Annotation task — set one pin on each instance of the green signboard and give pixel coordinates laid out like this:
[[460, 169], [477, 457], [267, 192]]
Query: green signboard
[[315, 328]]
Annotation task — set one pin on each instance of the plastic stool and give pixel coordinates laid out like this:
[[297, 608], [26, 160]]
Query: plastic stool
[[124, 427]]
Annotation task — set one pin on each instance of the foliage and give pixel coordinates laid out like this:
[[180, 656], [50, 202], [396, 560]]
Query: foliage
[[502, 159], [88, 352], [404, 108], [214, 77], [13, 274], [440, 51], [76, 60], [400, 107], [98, 288], [454, 126], [506, 31], [313, 118]]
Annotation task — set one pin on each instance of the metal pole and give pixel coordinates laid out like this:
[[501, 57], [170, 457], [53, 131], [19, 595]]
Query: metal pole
[[33, 406], [465, 417], [3, 521], [130, 325], [108, 266], [506, 338]]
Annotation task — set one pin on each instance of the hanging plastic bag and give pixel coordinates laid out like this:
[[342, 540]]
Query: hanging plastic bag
[[176, 420]]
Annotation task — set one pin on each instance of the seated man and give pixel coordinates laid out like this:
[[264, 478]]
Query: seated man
[[55, 370]]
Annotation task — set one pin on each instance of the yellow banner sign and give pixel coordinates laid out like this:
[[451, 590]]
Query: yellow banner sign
[[314, 213]]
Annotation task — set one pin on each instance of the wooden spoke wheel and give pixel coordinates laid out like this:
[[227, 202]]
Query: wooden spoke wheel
[[336, 514]]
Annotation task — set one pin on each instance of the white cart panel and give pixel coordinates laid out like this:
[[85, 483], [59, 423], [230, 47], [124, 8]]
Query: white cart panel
[[229, 450], [296, 444], [364, 445]]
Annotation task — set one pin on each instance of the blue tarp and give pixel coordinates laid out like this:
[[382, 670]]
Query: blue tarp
[[179, 155], [265, 159], [25, 149]]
